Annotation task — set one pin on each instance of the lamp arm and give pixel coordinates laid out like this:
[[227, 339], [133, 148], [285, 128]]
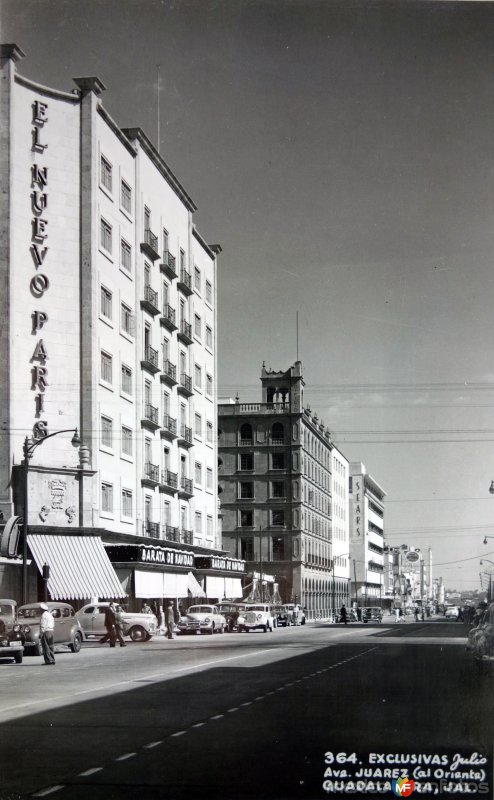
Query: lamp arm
[[29, 449]]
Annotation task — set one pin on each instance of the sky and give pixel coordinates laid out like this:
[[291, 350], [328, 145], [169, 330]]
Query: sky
[[342, 155]]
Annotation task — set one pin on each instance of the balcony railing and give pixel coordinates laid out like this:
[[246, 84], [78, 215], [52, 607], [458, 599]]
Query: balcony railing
[[168, 318], [186, 486], [186, 383], [150, 360], [253, 408], [187, 537], [169, 425], [277, 441], [152, 472], [172, 533], [169, 478], [150, 302], [186, 434], [169, 374], [150, 245], [185, 332], [151, 529], [151, 415], [168, 265], [185, 282]]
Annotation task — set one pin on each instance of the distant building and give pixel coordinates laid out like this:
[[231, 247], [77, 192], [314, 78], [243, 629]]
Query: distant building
[[366, 536], [277, 474]]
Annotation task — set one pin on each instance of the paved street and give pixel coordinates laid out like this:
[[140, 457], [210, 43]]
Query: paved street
[[240, 715]]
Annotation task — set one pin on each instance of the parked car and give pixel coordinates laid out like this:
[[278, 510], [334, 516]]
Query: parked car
[[203, 618], [283, 617], [452, 612], [233, 612], [372, 614], [7, 615], [351, 616], [11, 641], [296, 612], [67, 630], [139, 626], [259, 616]]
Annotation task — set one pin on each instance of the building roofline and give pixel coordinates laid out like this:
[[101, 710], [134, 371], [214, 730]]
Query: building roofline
[[160, 164], [116, 130], [73, 97], [208, 248]]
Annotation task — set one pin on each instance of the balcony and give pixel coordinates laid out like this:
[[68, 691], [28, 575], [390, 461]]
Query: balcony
[[150, 302], [277, 442], [150, 419], [253, 408], [151, 475], [169, 374], [172, 534], [169, 481], [168, 265], [150, 245], [187, 537], [185, 385], [150, 360], [169, 428], [185, 490], [184, 282], [151, 529], [185, 437], [168, 318], [185, 332]]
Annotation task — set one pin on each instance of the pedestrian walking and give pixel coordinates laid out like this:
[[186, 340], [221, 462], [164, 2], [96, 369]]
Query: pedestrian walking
[[119, 626], [46, 628], [343, 615], [397, 614], [359, 614], [110, 634], [416, 613], [170, 620]]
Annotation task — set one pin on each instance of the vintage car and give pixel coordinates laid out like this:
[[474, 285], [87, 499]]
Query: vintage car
[[283, 617], [202, 619], [139, 626], [372, 614], [7, 615], [258, 616], [296, 613], [452, 612], [67, 630], [233, 613]]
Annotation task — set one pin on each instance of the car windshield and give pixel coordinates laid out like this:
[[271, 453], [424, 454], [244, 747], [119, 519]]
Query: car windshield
[[30, 613], [6, 610], [200, 610]]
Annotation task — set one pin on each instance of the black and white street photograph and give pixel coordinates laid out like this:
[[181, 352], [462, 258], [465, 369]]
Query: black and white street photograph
[[246, 399]]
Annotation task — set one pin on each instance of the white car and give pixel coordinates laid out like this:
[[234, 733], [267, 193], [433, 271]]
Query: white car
[[259, 616], [202, 619], [452, 612], [140, 627]]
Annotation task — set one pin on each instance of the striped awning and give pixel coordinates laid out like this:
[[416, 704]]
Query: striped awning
[[79, 567]]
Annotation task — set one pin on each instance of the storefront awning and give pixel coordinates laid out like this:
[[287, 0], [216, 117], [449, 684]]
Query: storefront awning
[[219, 588], [159, 584], [194, 586], [79, 567]]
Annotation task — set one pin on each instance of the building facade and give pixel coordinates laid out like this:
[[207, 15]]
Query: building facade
[[109, 327], [366, 537], [276, 482]]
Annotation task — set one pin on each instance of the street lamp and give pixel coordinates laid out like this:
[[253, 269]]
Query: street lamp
[[28, 449]]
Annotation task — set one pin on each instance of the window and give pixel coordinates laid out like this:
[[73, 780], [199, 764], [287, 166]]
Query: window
[[197, 425], [277, 489], [209, 292], [165, 243], [277, 433], [197, 326], [126, 441], [125, 255], [197, 279], [278, 460], [106, 432], [106, 174], [106, 301], [182, 259], [247, 519], [278, 548], [126, 503], [127, 320], [246, 490], [147, 218], [209, 479], [247, 461], [126, 196], [198, 473], [209, 337], [106, 235], [209, 432], [106, 367], [209, 385], [246, 434], [197, 376], [209, 527], [247, 549], [107, 498], [277, 518], [198, 522], [126, 379]]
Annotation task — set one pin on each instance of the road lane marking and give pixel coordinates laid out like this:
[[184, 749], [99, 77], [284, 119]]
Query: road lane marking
[[222, 660], [48, 791], [249, 703], [153, 744], [125, 756], [198, 724], [89, 772], [217, 716], [179, 733]]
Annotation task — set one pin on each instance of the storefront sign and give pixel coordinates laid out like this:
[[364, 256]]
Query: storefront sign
[[219, 563], [161, 555], [357, 505]]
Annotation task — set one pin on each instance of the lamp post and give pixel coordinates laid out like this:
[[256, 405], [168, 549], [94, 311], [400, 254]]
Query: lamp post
[[261, 589], [28, 449]]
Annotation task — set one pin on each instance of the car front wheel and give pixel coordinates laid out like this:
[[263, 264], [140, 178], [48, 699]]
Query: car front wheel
[[18, 658], [138, 634], [76, 643]]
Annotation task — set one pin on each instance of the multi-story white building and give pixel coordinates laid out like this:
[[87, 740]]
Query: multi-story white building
[[108, 317], [340, 524], [366, 536]]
